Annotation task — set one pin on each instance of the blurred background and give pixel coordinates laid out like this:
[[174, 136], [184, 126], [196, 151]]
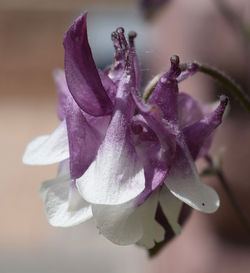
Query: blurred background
[[31, 33]]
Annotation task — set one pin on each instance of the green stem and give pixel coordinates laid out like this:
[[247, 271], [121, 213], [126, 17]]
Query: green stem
[[233, 87], [220, 175]]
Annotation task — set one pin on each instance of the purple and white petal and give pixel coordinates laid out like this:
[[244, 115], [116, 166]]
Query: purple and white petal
[[82, 75], [171, 207], [48, 149], [116, 176], [150, 153], [183, 181], [63, 204], [165, 131]]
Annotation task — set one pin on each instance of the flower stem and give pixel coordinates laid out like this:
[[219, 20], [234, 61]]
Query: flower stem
[[221, 176], [232, 86]]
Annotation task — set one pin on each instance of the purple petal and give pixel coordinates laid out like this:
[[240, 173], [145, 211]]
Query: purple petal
[[63, 92], [198, 133], [81, 73], [84, 140], [164, 130], [165, 95], [109, 85], [150, 152], [189, 110]]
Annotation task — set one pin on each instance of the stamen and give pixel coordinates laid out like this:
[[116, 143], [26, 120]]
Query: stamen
[[175, 60], [123, 43], [131, 37], [175, 69], [120, 30], [223, 98]]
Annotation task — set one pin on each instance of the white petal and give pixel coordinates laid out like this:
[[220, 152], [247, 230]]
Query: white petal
[[153, 232], [115, 177], [62, 175], [63, 168], [118, 223], [127, 224], [63, 204], [171, 207], [184, 182], [48, 149]]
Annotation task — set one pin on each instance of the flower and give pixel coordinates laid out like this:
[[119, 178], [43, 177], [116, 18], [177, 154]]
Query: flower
[[125, 162]]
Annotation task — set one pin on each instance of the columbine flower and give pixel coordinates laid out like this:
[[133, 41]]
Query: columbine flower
[[127, 163]]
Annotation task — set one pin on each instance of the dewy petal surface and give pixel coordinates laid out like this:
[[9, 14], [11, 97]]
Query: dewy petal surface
[[81, 73], [183, 181], [48, 149]]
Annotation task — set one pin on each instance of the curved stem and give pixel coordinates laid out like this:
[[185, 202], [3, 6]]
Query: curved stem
[[220, 175], [233, 87], [223, 78], [150, 87]]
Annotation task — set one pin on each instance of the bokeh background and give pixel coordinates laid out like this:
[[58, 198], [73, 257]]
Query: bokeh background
[[31, 33]]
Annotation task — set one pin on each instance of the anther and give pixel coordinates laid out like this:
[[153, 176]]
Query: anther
[[175, 60], [113, 35], [131, 37], [120, 30], [223, 98]]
